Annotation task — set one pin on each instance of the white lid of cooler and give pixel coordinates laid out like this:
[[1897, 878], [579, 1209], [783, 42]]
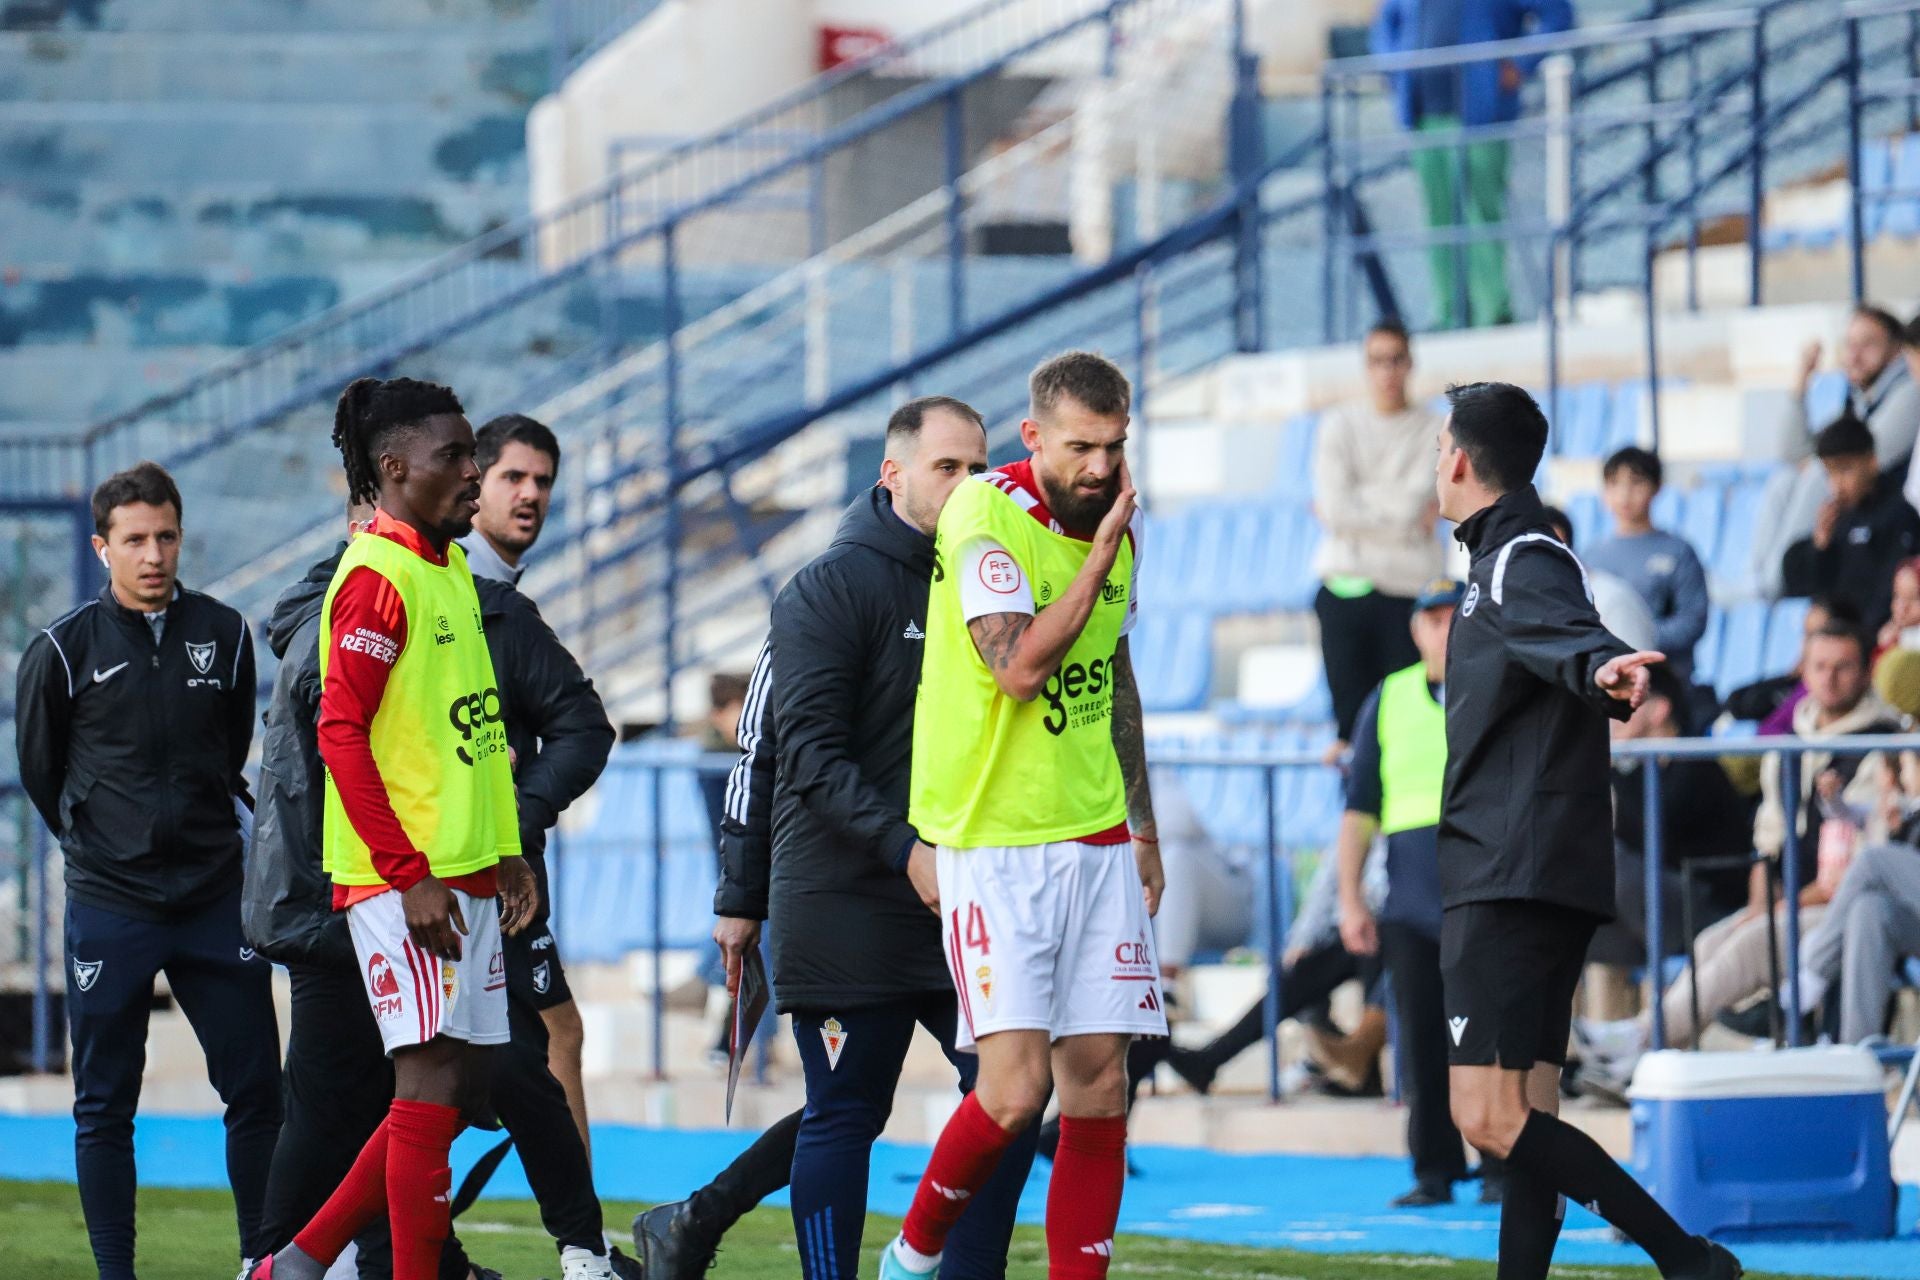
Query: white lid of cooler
[[1672, 1075]]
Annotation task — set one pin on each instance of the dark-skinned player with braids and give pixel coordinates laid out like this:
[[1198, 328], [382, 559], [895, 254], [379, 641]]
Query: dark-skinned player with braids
[[419, 829]]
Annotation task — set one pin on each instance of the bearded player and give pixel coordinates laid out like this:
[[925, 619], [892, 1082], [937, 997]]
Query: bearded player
[[420, 827], [1030, 775]]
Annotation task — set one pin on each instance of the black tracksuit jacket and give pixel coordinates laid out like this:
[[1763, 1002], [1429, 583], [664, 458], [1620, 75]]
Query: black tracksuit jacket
[[132, 750], [815, 835], [556, 725], [1527, 813]]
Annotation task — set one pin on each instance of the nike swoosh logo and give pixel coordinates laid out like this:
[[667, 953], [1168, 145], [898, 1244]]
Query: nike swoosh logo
[[101, 677]]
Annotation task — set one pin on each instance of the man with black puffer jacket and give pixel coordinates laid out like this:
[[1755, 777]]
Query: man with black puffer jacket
[[816, 842], [134, 719], [339, 1081]]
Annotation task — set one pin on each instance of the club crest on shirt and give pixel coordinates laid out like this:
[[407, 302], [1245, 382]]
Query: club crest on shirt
[[1472, 601], [201, 655], [834, 1036]]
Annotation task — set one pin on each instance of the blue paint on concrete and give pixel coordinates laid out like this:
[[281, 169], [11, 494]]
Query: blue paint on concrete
[[1322, 1204]]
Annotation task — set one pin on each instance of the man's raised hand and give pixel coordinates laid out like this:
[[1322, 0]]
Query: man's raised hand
[[1626, 678]]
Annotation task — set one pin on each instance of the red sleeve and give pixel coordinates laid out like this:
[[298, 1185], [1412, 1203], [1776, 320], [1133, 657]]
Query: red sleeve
[[369, 629]]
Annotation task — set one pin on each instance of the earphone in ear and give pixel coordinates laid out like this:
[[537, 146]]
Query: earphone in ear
[[103, 558]]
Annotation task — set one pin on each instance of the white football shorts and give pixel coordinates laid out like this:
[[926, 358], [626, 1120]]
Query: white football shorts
[[1051, 937], [416, 996]]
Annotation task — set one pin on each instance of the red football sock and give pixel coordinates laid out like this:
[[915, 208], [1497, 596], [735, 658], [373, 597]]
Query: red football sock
[[419, 1184], [1083, 1199], [963, 1160], [360, 1198]]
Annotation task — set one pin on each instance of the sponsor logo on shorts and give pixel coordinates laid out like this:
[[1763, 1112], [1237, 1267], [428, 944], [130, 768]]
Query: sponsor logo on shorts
[[542, 977], [449, 979], [86, 972], [834, 1036], [1459, 1028], [1133, 961], [384, 987], [1151, 1001], [496, 973]]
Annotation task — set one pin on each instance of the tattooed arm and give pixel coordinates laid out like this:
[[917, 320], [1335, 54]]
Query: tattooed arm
[[1130, 744]]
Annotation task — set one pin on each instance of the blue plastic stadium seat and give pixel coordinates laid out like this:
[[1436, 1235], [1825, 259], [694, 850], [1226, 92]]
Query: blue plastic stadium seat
[[1301, 583], [1706, 654], [1876, 176], [1591, 523], [1623, 423], [1582, 425], [1294, 470], [1902, 216], [1173, 659], [1743, 647], [1784, 627], [1826, 397], [1729, 564], [1208, 565], [1669, 508], [1701, 518], [1166, 541]]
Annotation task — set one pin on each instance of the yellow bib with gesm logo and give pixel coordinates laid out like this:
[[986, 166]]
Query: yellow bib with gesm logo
[[988, 769], [439, 738]]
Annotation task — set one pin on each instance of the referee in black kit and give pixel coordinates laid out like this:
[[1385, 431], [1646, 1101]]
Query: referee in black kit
[[1526, 844]]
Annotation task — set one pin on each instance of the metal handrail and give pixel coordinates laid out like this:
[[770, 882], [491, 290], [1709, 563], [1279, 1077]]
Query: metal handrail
[[1539, 46]]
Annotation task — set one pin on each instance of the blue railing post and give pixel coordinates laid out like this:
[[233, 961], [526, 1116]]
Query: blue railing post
[[1244, 147], [1652, 844], [1756, 172], [1856, 229], [659, 923], [1693, 173], [1330, 221], [1653, 348], [1270, 1007], [1790, 891], [42, 951], [956, 147], [670, 280]]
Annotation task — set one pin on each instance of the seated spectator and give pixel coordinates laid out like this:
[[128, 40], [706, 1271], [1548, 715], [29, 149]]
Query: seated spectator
[[1861, 534], [1620, 607], [1737, 958], [1373, 477], [1701, 817], [1902, 628], [1314, 966], [1881, 395], [1661, 566], [1873, 920], [1771, 701]]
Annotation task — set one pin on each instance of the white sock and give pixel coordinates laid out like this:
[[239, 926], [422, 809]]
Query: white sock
[[912, 1259], [1813, 989]]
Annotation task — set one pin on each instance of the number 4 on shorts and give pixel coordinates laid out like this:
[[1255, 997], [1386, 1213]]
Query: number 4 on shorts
[[975, 935]]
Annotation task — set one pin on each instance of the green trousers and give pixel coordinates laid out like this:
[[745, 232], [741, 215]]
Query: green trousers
[[1468, 180]]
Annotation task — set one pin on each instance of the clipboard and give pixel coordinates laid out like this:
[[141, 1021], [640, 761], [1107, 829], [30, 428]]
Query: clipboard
[[749, 1006]]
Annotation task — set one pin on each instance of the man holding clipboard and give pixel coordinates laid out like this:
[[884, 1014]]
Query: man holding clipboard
[[816, 841]]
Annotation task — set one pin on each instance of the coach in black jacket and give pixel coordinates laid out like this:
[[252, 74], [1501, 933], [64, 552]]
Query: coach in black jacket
[[339, 1083], [1526, 843], [135, 716], [816, 842]]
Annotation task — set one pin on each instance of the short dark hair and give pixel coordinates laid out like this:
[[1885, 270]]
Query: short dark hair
[[1090, 380], [490, 441], [1643, 463], [726, 687], [1910, 332], [906, 421], [1664, 682], [1884, 318], [373, 412], [1838, 610], [1833, 630], [1390, 327], [1558, 519], [146, 482], [1844, 437], [1502, 431]]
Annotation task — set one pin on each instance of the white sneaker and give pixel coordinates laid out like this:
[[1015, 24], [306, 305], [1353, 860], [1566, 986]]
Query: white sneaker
[[1624, 1038], [581, 1264]]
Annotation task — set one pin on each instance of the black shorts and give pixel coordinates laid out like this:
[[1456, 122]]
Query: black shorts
[[534, 975], [1509, 969]]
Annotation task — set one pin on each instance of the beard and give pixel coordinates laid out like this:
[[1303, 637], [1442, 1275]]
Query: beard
[[508, 532], [1078, 508]]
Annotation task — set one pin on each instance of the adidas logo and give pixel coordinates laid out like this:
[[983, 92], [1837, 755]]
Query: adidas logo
[[1458, 1026], [1102, 1250], [953, 1193], [913, 631]]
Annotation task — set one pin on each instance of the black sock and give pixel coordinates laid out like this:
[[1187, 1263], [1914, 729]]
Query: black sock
[[1555, 1153], [1531, 1214], [758, 1172]]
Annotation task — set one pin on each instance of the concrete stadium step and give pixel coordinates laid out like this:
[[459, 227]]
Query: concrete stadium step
[[474, 66], [163, 226], [81, 383], [306, 146], [266, 15]]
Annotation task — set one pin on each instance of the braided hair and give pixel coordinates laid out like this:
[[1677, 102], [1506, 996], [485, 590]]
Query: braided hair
[[371, 413]]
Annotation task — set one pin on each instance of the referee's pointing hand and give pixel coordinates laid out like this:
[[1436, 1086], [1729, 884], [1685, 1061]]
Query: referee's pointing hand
[[1626, 678]]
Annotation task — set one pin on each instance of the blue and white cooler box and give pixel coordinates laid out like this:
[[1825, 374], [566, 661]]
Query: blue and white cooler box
[[1789, 1144]]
